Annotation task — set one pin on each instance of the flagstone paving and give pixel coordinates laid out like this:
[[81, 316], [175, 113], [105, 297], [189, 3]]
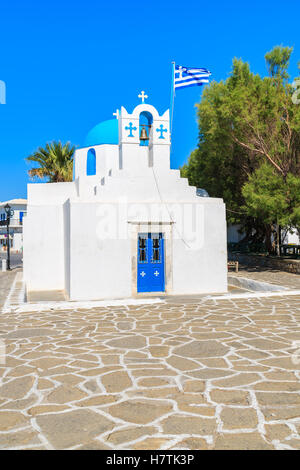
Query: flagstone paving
[[216, 374]]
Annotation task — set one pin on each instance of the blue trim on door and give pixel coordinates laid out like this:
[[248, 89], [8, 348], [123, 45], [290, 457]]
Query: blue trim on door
[[150, 263]]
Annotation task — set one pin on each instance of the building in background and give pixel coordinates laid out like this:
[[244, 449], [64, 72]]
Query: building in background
[[19, 206], [288, 237], [291, 237]]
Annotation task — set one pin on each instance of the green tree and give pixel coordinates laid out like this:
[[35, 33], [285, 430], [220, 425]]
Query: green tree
[[270, 198], [246, 122], [261, 116], [55, 162], [278, 61]]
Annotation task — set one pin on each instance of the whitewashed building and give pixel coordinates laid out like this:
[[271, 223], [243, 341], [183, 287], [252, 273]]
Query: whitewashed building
[[19, 207], [128, 224], [235, 235]]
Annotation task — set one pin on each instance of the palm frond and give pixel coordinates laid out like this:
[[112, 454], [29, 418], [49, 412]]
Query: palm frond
[[55, 162]]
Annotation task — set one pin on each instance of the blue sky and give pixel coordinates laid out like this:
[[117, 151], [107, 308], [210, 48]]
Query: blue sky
[[68, 65]]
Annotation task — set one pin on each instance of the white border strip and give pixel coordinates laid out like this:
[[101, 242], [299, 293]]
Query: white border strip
[[254, 295], [70, 305], [15, 301], [254, 285], [6, 306], [23, 307]]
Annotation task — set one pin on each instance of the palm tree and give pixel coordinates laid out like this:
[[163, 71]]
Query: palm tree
[[55, 162]]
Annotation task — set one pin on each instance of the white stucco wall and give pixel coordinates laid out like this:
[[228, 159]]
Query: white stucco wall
[[101, 255], [41, 194], [44, 248], [107, 158], [198, 266], [82, 236], [67, 248], [100, 268]]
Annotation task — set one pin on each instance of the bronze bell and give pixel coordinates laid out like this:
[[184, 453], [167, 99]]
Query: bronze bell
[[144, 136]]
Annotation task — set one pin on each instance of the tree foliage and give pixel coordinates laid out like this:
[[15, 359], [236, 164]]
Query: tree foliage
[[249, 145], [55, 162], [268, 197]]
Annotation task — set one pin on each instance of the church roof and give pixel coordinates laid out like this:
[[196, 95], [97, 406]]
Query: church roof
[[105, 132]]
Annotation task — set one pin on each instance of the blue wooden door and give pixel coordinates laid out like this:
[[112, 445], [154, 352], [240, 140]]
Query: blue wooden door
[[151, 263]]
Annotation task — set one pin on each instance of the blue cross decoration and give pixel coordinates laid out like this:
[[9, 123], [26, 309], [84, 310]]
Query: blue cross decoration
[[161, 130], [130, 128]]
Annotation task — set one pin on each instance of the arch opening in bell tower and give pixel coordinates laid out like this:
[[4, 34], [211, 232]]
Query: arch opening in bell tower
[[145, 123]]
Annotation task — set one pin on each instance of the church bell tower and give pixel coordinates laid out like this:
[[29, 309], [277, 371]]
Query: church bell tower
[[144, 138]]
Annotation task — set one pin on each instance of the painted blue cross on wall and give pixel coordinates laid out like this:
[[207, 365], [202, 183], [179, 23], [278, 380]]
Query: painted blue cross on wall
[[161, 130], [130, 128]]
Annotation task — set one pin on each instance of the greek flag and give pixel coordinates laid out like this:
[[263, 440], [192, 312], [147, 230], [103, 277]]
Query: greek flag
[[188, 76]]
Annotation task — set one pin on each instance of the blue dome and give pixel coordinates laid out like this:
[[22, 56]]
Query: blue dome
[[106, 132]]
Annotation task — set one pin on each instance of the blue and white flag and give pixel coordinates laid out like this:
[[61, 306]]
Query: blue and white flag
[[188, 76]]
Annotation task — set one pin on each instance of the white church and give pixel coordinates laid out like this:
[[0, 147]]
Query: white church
[[127, 225]]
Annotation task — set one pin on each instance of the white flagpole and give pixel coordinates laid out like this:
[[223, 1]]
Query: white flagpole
[[172, 97]]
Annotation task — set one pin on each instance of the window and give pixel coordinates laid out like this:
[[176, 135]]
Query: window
[[142, 248], [91, 163], [156, 247]]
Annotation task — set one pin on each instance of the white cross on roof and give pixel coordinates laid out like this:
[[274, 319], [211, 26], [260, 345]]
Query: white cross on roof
[[143, 96]]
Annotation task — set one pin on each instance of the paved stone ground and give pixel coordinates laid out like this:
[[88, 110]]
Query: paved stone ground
[[216, 374], [272, 276]]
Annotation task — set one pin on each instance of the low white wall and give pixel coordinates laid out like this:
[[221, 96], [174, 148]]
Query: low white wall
[[46, 193]]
